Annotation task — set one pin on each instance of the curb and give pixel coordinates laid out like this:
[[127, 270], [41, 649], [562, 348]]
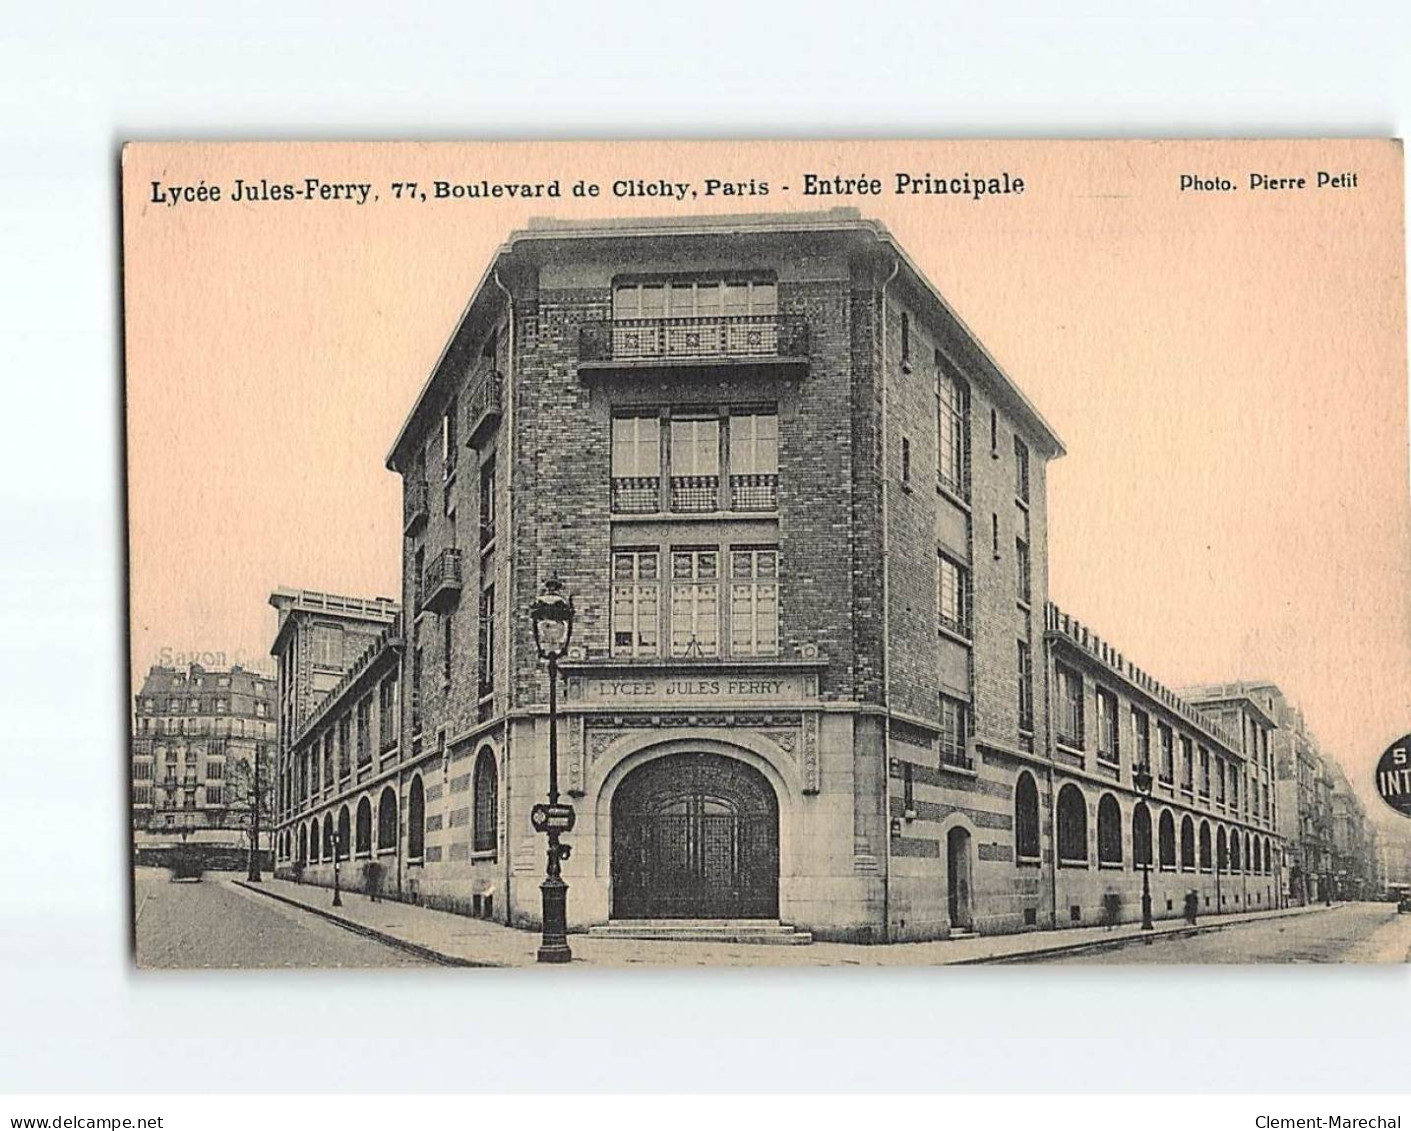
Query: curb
[[1127, 940], [367, 932]]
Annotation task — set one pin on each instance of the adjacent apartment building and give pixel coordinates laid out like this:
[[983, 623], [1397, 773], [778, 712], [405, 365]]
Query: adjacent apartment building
[[802, 513], [196, 735]]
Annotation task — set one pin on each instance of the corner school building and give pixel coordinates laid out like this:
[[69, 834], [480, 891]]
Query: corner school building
[[802, 514]]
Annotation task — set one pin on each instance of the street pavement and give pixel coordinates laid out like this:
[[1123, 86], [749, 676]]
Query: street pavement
[[1355, 932], [215, 924]]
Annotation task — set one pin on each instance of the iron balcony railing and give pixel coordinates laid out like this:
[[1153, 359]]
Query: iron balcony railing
[[758, 492], [484, 406], [441, 583], [415, 504], [783, 336], [690, 493]]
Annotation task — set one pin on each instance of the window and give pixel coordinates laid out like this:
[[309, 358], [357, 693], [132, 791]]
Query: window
[[487, 504], [363, 844], [345, 747], [954, 596], [994, 535], [1141, 739], [448, 439], [1021, 571], [215, 771], [636, 602], [953, 429], [1070, 707], [695, 602], [142, 771], [695, 464], [1107, 748], [754, 601], [905, 337], [1222, 851], [142, 795], [448, 647], [636, 464], [1187, 844], [1026, 688], [328, 644], [1168, 840], [1235, 772], [417, 659], [221, 706], [1205, 846], [365, 729], [387, 712], [387, 820], [1219, 779], [1072, 826], [1204, 772], [486, 829], [315, 776], [416, 821], [1109, 830], [955, 718], [1168, 757], [1187, 765], [754, 461], [215, 795], [905, 462], [330, 840], [1026, 818], [1141, 835], [1021, 470], [487, 641]]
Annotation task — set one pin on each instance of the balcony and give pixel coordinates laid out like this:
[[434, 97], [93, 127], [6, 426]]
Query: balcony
[[416, 504], [631, 343], [441, 583], [485, 404]]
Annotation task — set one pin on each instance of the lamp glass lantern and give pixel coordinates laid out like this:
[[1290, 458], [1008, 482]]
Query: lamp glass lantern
[[552, 616]]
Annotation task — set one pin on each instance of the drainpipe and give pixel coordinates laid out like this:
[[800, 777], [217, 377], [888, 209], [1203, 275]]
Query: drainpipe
[[509, 539], [886, 626]]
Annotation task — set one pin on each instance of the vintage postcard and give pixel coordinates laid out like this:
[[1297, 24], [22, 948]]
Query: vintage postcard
[[767, 553]]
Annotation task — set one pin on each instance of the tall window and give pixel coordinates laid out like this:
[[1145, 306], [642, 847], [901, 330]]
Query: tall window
[[487, 504], [1141, 835], [416, 820], [363, 844], [1021, 470], [1072, 826], [448, 439], [1205, 853], [1168, 755], [695, 602], [345, 751], [1026, 818], [1167, 837], [387, 820], [955, 715], [1070, 707], [448, 647], [1026, 687], [1187, 844], [1187, 764], [754, 461], [754, 601], [387, 712], [1107, 748], [485, 831], [487, 641], [636, 602], [327, 645], [1220, 780], [1204, 772], [1109, 830], [1141, 739], [954, 596], [695, 464], [365, 731], [953, 429], [1022, 578], [329, 763], [636, 464]]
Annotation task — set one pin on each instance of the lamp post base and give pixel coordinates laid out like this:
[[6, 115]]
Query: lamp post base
[[554, 947]]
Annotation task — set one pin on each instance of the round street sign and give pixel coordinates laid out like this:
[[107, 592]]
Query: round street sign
[[1394, 776]]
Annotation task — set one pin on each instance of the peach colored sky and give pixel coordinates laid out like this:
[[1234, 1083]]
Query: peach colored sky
[[1227, 371]]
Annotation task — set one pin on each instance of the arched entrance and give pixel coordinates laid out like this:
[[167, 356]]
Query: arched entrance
[[958, 879], [695, 836]]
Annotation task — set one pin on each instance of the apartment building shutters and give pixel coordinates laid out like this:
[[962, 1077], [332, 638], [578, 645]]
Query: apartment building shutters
[[695, 836]]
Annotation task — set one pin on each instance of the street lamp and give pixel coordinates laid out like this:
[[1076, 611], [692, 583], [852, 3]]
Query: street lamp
[[1141, 776], [552, 616]]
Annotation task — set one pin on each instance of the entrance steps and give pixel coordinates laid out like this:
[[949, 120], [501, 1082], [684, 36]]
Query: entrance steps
[[957, 933], [760, 932]]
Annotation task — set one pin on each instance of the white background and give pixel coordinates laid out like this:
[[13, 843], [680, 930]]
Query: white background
[[75, 83]]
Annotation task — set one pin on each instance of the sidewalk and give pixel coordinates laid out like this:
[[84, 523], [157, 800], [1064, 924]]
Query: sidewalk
[[456, 940]]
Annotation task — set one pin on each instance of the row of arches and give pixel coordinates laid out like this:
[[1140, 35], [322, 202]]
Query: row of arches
[[1196, 847], [361, 832]]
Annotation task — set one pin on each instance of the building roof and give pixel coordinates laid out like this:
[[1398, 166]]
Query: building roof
[[379, 610], [1243, 691], [543, 233]]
